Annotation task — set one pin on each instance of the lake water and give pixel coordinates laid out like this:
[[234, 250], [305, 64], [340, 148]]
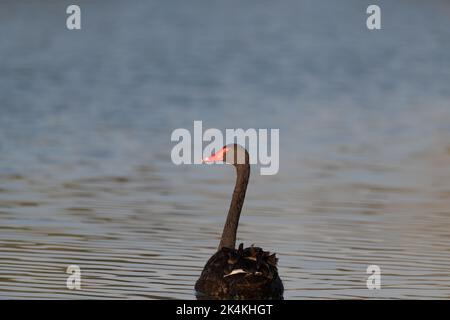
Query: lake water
[[86, 116]]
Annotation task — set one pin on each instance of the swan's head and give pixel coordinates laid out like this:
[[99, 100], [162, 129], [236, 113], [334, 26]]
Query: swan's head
[[232, 154]]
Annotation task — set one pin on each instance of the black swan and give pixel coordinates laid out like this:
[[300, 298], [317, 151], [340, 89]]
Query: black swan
[[230, 273]]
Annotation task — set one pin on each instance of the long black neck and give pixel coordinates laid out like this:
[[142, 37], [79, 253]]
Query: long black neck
[[228, 239]]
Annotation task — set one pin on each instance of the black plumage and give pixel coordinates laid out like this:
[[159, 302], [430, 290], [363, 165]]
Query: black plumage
[[249, 273]]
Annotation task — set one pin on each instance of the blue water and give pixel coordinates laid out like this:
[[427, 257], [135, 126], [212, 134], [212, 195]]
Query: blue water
[[86, 117]]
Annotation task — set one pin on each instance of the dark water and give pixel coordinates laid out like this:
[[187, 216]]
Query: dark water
[[85, 124]]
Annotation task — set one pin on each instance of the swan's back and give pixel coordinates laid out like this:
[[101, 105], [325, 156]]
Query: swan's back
[[249, 273]]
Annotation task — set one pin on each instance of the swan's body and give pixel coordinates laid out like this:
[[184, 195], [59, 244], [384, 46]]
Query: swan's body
[[230, 273], [249, 273]]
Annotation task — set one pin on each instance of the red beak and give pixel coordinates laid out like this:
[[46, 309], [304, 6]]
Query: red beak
[[218, 156]]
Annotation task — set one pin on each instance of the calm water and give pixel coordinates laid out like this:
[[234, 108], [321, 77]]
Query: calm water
[[85, 124]]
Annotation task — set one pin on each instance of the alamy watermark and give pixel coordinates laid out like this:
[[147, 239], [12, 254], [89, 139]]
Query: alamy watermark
[[373, 21], [374, 280], [189, 149], [73, 281], [73, 21]]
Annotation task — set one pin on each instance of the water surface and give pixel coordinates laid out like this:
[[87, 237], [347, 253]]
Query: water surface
[[85, 124]]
